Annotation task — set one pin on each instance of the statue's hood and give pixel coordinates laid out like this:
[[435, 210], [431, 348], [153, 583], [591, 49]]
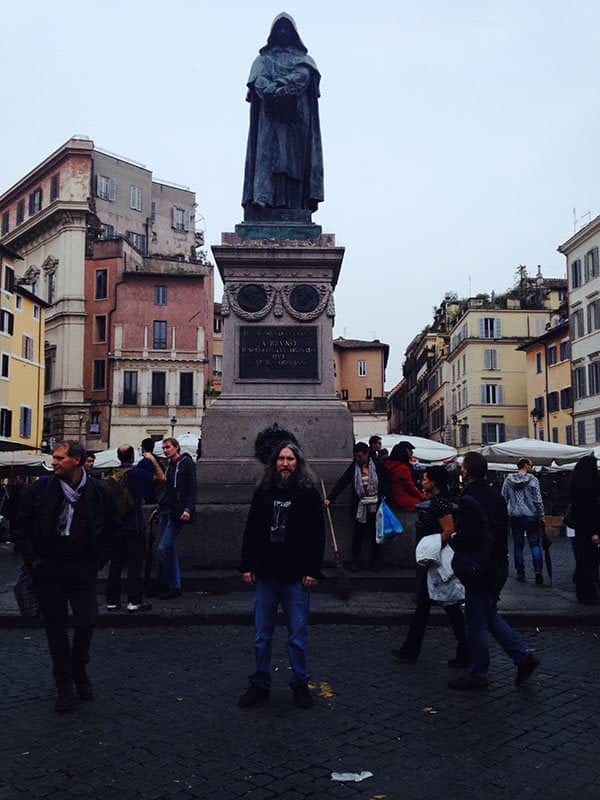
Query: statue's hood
[[298, 44]]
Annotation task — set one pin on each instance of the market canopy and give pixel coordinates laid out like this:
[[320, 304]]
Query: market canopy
[[17, 459], [426, 450], [540, 452]]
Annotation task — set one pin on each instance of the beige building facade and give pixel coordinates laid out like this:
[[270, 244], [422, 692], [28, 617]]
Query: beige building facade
[[465, 378], [583, 271], [359, 368]]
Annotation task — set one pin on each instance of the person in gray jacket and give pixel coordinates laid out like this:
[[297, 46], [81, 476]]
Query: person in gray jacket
[[523, 497]]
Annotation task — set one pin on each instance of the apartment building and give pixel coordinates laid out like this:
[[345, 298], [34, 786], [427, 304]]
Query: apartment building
[[146, 354], [21, 358], [549, 395], [465, 377], [53, 217], [583, 273], [359, 368]]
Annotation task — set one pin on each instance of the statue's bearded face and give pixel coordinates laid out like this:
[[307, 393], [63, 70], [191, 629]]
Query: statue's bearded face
[[283, 33]]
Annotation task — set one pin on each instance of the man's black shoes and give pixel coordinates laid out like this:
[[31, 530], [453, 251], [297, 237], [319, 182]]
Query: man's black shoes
[[404, 656], [170, 594], [66, 701], [253, 696], [526, 668], [302, 696], [458, 663]]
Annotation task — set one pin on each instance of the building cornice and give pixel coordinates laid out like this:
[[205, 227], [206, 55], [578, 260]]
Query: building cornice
[[58, 213], [580, 237], [74, 147]]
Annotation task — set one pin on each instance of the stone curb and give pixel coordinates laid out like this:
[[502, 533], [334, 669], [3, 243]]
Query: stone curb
[[520, 619]]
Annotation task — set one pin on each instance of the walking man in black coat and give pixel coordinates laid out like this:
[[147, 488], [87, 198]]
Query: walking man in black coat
[[65, 526], [282, 553], [481, 563]]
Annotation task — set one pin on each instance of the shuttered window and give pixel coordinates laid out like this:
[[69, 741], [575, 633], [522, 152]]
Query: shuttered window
[[490, 359]]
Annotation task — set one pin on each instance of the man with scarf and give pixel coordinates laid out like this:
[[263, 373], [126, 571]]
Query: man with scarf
[[65, 526], [364, 476]]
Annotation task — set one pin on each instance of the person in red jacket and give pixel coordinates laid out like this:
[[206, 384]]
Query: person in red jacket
[[401, 490]]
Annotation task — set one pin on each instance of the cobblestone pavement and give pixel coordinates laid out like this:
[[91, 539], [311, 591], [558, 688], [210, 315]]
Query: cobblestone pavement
[[166, 725]]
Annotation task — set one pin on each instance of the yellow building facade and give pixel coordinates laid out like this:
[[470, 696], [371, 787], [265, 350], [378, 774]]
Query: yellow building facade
[[488, 373], [549, 394], [21, 359]]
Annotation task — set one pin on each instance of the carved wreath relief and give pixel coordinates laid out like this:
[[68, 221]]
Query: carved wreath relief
[[253, 301]]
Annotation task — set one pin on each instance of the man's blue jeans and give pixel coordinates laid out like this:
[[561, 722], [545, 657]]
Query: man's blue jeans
[[530, 526], [481, 616], [294, 599], [169, 574]]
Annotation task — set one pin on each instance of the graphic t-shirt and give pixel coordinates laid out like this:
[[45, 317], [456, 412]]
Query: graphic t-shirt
[[281, 510]]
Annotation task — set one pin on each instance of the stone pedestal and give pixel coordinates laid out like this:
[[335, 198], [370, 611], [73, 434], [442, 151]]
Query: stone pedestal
[[278, 368]]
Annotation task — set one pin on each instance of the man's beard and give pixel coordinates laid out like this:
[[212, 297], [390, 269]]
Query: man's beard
[[285, 480]]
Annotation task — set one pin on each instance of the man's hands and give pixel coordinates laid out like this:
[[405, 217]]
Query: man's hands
[[307, 581], [185, 517]]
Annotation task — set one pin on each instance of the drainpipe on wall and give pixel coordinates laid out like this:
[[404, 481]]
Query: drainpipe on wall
[[110, 341], [546, 376]]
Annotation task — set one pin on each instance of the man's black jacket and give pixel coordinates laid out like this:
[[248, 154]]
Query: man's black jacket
[[180, 493], [37, 524], [483, 530], [302, 551]]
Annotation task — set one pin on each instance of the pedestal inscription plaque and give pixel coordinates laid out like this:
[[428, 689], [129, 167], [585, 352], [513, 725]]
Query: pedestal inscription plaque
[[279, 353]]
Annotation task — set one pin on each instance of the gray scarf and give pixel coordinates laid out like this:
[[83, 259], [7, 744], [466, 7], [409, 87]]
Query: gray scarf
[[71, 496], [359, 489]]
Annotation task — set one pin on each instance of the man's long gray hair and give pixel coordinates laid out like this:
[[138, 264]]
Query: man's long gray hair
[[303, 476]]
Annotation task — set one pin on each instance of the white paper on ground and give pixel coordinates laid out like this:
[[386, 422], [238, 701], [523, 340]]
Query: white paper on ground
[[350, 776]]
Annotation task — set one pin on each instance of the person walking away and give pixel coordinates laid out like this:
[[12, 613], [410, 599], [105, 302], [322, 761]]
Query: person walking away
[[282, 552], [400, 488], [64, 525], [522, 494], [130, 486], [481, 563], [363, 475], [175, 508], [585, 511], [433, 516]]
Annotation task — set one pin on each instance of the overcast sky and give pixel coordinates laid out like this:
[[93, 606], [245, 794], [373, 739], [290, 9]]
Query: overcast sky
[[458, 136]]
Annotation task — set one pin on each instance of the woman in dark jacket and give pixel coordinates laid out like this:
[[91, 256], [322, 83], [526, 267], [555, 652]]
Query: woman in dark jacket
[[436, 516], [585, 505]]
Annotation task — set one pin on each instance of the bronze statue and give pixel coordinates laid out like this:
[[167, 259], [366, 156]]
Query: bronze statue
[[284, 158]]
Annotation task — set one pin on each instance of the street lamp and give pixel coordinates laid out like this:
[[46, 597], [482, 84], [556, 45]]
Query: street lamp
[[173, 422], [536, 415]]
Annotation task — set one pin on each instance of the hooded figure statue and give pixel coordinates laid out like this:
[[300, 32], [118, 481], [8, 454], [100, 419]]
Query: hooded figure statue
[[284, 158]]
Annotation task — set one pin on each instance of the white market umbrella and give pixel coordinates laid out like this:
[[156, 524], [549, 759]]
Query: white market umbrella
[[426, 450], [540, 452]]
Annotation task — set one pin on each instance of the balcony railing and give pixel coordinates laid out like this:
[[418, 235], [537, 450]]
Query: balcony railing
[[377, 405]]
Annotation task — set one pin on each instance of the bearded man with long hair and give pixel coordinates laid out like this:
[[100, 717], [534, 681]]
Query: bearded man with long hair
[[282, 552]]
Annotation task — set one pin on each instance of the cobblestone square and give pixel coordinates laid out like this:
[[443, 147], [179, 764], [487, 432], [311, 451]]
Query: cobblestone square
[[165, 723]]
